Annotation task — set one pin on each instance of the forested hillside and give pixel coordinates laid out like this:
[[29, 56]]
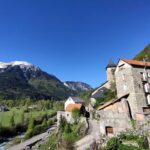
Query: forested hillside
[[145, 53]]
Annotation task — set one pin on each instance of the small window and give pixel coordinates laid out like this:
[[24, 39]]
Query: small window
[[146, 109], [125, 87], [67, 114], [148, 99], [147, 88], [109, 130]]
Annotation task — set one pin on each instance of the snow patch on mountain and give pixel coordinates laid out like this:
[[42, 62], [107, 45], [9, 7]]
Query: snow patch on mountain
[[22, 64]]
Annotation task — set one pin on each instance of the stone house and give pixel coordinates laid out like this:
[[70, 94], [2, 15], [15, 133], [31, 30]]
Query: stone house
[[132, 78], [71, 104], [115, 116]]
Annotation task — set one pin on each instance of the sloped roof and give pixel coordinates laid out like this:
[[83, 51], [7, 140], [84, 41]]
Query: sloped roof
[[111, 64], [112, 102], [71, 107], [136, 62], [77, 100]]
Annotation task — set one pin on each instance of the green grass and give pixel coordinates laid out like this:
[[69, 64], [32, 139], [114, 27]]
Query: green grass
[[6, 116]]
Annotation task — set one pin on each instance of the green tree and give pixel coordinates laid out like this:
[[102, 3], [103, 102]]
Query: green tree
[[76, 115]]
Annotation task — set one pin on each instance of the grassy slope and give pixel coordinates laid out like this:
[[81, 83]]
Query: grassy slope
[[5, 116]]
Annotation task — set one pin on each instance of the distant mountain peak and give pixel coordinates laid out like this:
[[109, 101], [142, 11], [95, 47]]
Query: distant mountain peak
[[22, 64]]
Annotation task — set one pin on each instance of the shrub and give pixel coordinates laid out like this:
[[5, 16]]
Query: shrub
[[28, 134], [16, 140], [111, 144]]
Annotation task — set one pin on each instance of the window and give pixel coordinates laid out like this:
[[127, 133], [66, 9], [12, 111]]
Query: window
[[146, 109], [109, 130], [125, 87], [147, 88], [144, 76], [148, 99]]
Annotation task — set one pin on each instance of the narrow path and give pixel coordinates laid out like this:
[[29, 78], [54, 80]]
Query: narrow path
[[93, 136]]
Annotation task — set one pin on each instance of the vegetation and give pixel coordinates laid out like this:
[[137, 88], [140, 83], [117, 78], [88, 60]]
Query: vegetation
[[16, 84], [144, 54], [32, 117], [76, 115], [66, 136], [115, 143]]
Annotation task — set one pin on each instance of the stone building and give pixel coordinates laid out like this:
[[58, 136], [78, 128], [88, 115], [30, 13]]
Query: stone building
[[115, 116], [132, 78], [110, 73]]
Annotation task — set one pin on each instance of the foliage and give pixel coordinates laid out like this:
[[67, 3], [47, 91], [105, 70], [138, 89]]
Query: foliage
[[12, 120], [16, 140], [114, 142], [144, 54], [76, 115], [133, 122], [107, 96], [111, 144], [32, 122], [86, 95], [51, 143]]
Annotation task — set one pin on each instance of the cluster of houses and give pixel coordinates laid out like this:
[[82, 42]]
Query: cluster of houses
[[132, 81]]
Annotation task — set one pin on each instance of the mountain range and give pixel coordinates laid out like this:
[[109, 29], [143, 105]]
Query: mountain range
[[21, 80]]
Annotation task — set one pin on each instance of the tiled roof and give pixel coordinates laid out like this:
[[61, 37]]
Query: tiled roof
[[112, 102], [71, 107], [136, 62]]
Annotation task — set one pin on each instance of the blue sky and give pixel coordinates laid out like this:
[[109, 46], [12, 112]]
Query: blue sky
[[73, 39]]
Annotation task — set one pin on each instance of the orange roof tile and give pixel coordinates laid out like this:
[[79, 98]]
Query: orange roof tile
[[136, 62], [71, 107]]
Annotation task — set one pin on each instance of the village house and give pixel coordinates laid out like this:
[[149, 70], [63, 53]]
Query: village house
[[73, 100], [132, 80], [71, 104]]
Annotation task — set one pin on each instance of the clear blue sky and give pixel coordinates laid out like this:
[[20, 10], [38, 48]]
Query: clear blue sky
[[73, 39]]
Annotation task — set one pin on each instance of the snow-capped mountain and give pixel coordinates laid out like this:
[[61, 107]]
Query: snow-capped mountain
[[78, 87], [20, 79]]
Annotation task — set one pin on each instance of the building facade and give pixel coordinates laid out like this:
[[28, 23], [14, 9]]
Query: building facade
[[133, 77]]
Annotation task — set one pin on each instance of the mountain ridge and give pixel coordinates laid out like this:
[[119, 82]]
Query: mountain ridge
[[20, 79]]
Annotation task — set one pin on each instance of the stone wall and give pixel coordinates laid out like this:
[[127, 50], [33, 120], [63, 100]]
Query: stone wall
[[66, 115], [116, 116]]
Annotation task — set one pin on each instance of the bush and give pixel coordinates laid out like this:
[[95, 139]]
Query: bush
[[28, 134], [111, 144], [16, 140]]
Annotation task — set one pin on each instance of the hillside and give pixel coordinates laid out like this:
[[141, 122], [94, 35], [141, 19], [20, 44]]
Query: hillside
[[78, 87], [20, 80], [145, 53]]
